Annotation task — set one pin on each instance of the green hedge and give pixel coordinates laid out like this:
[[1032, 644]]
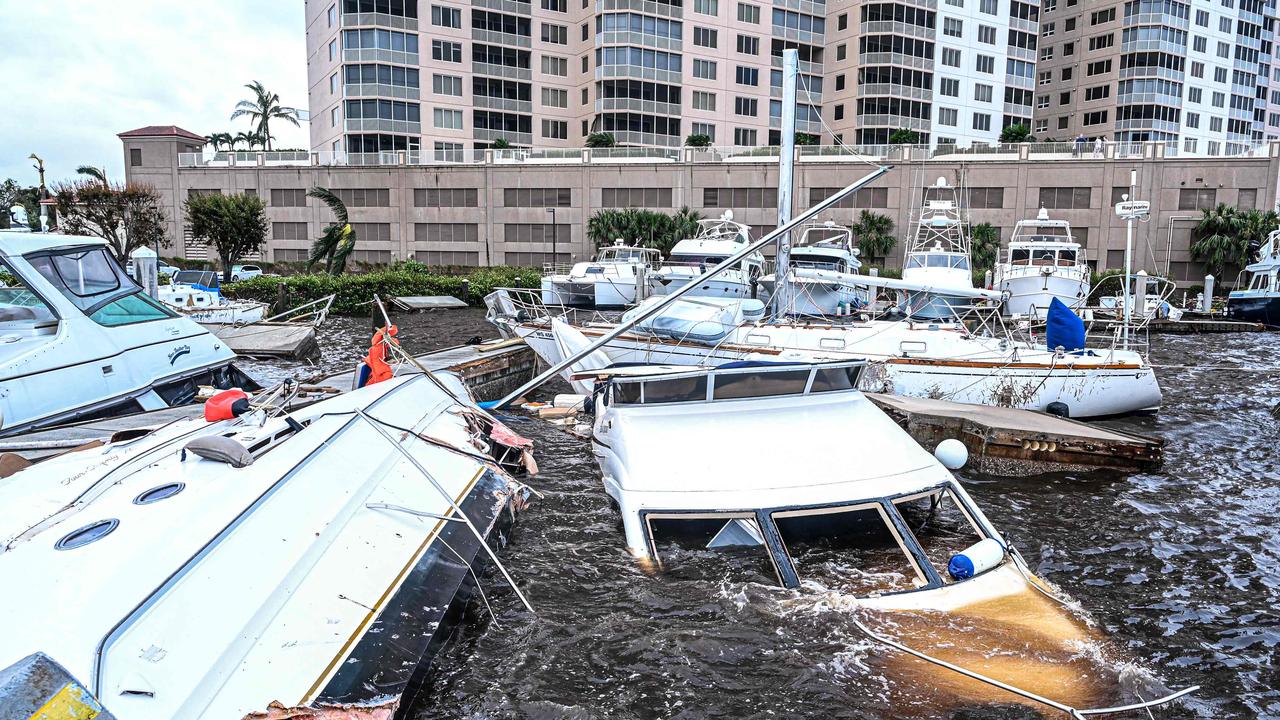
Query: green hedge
[[355, 291]]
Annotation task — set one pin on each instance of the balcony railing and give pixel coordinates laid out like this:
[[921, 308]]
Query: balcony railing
[[379, 20], [897, 28], [894, 121], [802, 95], [502, 71], [804, 126], [645, 6], [379, 55], [895, 90], [796, 35], [670, 152], [891, 58], [626, 37], [380, 90], [506, 6], [639, 73], [515, 138], [652, 107], [503, 104], [381, 125], [501, 38]]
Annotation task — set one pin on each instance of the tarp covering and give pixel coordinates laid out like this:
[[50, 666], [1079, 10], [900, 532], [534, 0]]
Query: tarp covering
[[1063, 328]]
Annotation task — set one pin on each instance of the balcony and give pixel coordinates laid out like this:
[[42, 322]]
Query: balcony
[[503, 104], [651, 107], [378, 20], [806, 67], [1017, 110], [804, 126], [1158, 19], [1147, 98], [894, 121], [379, 55], [1154, 45], [506, 6], [895, 90], [635, 137], [502, 71], [354, 90], [1151, 71], [605, 72], [645, 6], [804, 36], [1018, 53], [808, 7], [500, 38], [894, 27], [378, 125], [891, 58], [626, 37], [1147, 124], [802, 95], [1027, 26], [515, 138]]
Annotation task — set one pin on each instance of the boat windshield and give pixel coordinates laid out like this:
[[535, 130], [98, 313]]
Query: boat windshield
[[736, 384], [933, 260], [862, 548], [625, 254], [94, 282], [20, 306], [205, 279], [1261, 281], [703, 260]]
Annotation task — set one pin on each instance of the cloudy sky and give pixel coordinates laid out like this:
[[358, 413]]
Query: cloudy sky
[[76, 72]]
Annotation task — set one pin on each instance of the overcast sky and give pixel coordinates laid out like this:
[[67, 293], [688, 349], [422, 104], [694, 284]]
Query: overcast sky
[[77, 72]]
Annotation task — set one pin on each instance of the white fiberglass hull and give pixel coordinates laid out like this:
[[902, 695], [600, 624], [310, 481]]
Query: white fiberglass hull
[[235, 313], [815, 296], [719, 287], [1031, 293], [581, 292], [972, 370]]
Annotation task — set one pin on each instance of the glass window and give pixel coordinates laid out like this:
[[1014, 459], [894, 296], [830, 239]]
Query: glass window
[[19, 304], [689, 389], [940, 526], [92, 280], [852, 549], [737, 385], [690, 545], [835, 379], [1020, 256], [134, 308]]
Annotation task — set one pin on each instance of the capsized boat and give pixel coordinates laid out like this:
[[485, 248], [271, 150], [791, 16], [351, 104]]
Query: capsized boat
[[717, 239], [276, 565], [940, 359], [826, 260], [938, 255], [1260, 300], [81, 340], [1043, 262], [829, 494], [609, 281], [197, 294]]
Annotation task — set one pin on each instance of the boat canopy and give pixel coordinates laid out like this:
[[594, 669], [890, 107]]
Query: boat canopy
[[628, 254]]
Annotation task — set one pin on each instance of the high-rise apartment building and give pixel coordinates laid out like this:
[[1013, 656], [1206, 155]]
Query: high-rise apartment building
[[1197, 75], [452, 75]]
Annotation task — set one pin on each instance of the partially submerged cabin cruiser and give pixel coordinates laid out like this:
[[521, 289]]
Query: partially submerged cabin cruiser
[[273, 565], [823, 260], [716, 240], [938, 256], [609, 281], [1043, 262], [784, 472], [198, 295], [1260, 301], [940, 359], [79, 339]]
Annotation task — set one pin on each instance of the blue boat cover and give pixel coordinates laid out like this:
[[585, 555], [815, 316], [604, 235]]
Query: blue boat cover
[[1063, 328]]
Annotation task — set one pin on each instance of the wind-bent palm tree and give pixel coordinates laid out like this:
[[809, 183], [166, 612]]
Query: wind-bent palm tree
[[1219, 240], [875, 234], [95, 173], [338, 239], [262, 109]]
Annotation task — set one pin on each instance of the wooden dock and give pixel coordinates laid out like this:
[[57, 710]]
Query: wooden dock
[[268, 339], [1205, 326], [1017, 443], [490, 370]]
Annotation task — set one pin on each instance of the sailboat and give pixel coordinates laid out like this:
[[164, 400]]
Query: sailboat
[[1043, 262], [938, 255]]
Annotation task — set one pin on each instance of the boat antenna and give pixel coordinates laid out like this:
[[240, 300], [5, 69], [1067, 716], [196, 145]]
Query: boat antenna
[[643, 313]]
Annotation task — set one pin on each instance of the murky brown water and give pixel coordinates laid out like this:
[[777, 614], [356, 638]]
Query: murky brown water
[[1180, 568]]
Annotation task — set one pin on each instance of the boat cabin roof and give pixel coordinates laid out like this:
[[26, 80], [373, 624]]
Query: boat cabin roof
[[14, 242], [627, 253]]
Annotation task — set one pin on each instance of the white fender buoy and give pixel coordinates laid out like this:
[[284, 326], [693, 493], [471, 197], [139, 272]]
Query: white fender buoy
[[977, 558], [952, 454]]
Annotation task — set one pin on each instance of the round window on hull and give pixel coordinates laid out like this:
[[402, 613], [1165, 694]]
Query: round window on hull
[[87, 534], [156, 494]]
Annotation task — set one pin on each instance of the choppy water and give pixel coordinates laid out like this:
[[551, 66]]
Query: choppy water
[[1180, 568]]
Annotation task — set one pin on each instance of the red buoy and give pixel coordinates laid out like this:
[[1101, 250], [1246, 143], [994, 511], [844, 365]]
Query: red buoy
[[226, 405]]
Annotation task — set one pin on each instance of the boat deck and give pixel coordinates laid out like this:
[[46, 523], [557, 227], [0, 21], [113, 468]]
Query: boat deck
[[1016, 443], [489, 370]]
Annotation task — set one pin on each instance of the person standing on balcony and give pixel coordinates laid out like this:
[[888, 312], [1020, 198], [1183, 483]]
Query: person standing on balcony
[[1098, 145], [1079, 146]]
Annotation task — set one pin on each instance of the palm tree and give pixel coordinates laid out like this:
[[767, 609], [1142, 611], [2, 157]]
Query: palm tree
[[1218, 240], [95, 173], [338, 240], [875, 234], [1255, 226], [221, 140], [262, 109], [250, 139], [984, 246]]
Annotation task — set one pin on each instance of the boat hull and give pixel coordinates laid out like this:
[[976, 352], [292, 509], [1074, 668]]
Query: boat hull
[[1088, 390], [605, 293], [715, 287], [230, 314], [1259, 309]]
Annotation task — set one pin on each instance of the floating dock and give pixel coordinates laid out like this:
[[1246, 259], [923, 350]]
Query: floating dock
[[490, 370], [1017, 443], [1205, 326], [265, 339], [427, 302]]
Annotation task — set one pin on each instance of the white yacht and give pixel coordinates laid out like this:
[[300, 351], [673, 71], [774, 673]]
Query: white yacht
[[79, 339], [824, 257], [272, 565], [935, 359], [609, 281], [1043, 262], [716, 240], [785, 472], [938, 255], [1260, 300], [198, 295]]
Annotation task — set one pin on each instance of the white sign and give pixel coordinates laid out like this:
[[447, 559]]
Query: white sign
[[1135, 208]]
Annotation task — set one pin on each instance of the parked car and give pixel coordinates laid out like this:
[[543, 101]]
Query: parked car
[[244, 272]]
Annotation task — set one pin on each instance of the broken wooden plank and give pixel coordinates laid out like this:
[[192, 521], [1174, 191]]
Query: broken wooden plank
[[264, 339], [427, 302]]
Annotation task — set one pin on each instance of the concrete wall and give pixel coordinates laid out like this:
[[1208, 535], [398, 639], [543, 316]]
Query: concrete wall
[[1159, 249]]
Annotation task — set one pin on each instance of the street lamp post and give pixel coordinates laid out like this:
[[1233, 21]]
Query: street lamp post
[[554, 232]]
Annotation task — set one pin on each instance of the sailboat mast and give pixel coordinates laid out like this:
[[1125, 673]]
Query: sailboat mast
[[782, 301]]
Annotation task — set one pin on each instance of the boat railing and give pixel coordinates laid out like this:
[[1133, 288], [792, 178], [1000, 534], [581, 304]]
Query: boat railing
[[556, 268], [527, 305]]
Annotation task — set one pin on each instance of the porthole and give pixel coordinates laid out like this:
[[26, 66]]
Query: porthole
[[87, 534], [156, 494]]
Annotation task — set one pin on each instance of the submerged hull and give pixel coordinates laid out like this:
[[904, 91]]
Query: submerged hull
[[1096, 390], [1260, 309]]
